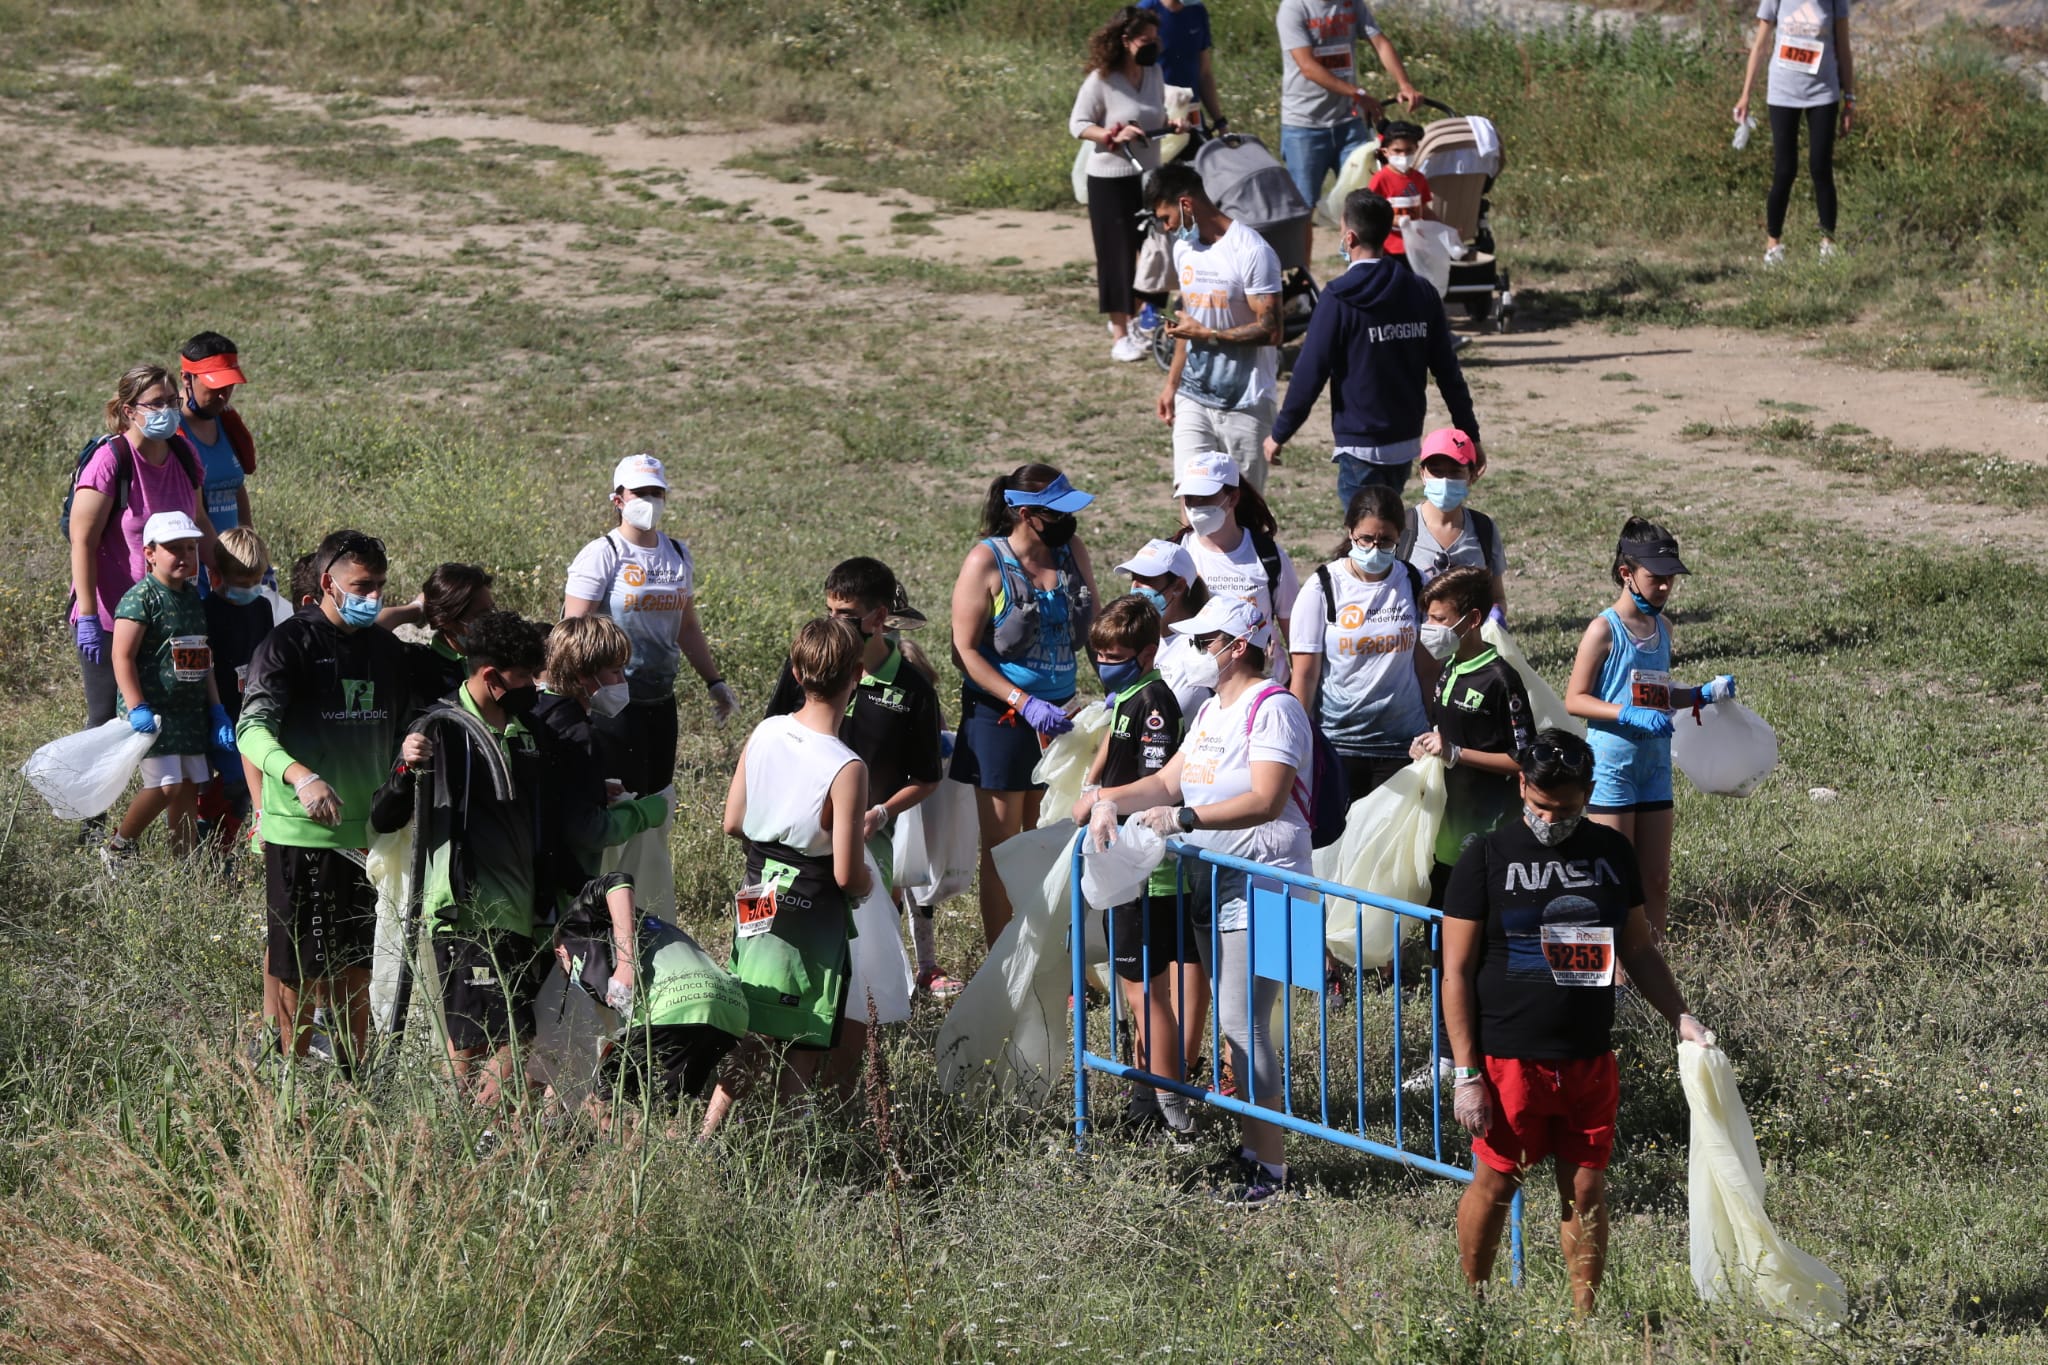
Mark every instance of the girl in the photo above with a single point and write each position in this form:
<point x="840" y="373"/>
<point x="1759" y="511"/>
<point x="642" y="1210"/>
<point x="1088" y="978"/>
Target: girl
<point x="1442" y="532"/>
<point x="1163" y="574"/>
<point x="1621" y="686"/>
<point x="1812" y="75"/>
<point x="1230" y="539"/>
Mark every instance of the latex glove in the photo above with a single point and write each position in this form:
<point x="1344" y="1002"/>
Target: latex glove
<point x="1498" y="616"/>
<point x="92" y="641"/>
<point x="619" y="995"/>
<point x="877" y="817"/>
<point x="1471" y="1105"/>
<point x="1101" y="826"/>
<point x="614" y="791"/>
<point x="1721" y="688"/>
<point x="1691" y="1030"/>
<point x="143" y="721"/>
<point x="946" y="744"/>
<point x="320" y="801"/>
<point x="1162" y="820"/>
<point x="724" y="703"/>
<point x="1044" y="717"/>
<point x="1085" y="802"/>
<point x="223" y="728"/>
<point x="1643" y="718"/>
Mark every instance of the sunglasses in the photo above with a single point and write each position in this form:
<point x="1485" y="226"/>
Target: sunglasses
<point x="1573" y="761"/>
<point x="1205" y="643"/>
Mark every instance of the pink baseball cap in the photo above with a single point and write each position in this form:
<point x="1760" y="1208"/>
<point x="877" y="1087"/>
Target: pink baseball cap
<point x="1452" y="442"/>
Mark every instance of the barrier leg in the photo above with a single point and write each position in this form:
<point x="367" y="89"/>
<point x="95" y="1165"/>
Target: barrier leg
<point x="1515" y="1241"/>
<point x="1077" y="951"/>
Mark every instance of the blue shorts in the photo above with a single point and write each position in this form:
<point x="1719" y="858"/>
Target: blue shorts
<point x="990" y="754"/>
<point x="1312" y="153"/>
<point x="1629" y="774"/>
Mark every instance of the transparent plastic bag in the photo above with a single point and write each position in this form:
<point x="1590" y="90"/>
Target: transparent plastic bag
<point x="82" y="775"/>
<point x="388" y="864"/>
<point x="1354" y="174"/>
<point x="876" y="963"/>
<point x="646" y="858"/>
<point x="1545" y="706"/>
<point x="1725" y="749"/>
<point x="1116" y="874"/>
<point x="952" y="835"/>
<point x="1081" y="172"/>
<point x="1064" y="764"/>
<point x="1431" y="249"/>
<point x="1388" y="848"/>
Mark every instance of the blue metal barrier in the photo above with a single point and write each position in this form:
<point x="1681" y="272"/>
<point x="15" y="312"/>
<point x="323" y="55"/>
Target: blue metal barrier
<point x="1288" y="913"/>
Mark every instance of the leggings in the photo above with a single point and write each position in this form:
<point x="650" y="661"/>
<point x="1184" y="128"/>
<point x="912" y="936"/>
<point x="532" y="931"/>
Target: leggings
<point x="1247" y="1017"/>
<point x="1820" y="163"/>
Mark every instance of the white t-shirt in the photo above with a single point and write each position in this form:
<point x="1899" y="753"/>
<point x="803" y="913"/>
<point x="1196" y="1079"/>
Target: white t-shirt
<point x="1216" y="759"/>
<point x="1217" y="281"/>
<point x="790" y="770"/>
<point x="1176" y="658"/>
<point x="646" y="589"/>
<point x="1240" y="574"/>
<point x="1371" y="702"/>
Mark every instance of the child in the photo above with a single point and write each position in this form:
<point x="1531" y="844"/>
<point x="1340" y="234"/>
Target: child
<point x="1145" y="730"/>
<point x="1442" y="532"/>
<point x="164" y="670"/>
<point x="237" y="620"/>
<point x="1399" y="183"/>
<point x="1621" y="686"/>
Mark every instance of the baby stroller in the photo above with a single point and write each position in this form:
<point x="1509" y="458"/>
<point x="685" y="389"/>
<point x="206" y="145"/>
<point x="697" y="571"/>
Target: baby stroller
<point x="1461" y="157"/>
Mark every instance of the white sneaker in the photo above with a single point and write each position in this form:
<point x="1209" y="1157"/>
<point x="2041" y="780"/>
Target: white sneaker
<point x="1775" y="256"/>
<point x="1127" y="347"/>
<point x="1827" y="249"/>
<point x="1418" y="1084"/>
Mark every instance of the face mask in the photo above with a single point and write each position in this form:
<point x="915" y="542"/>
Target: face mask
<point x="1205" y="671"/>
<point x="1207" y="520"/>
<point x="241" y="597"/>
<point x="1116" y="677"/>
<point x="1400" y="162"/>
<point x="158" y="424"/>
<point x="1643" y="604"/>
<point x="1373" y="559"/>
<point x="609" y="700"/>
<point x="1187" y="231"/>
<point x="520" y="701"/>
<point x="1549" y="833"/>
<point x="357" y="612"/>
<point x="1444" y="494"/>
<point x="1155" y="597"/>
<point x="1440" y="641"/>
<point x="643" y="514"/>
<point x="1058" y="530"/>
<point x="1146" y="55"/>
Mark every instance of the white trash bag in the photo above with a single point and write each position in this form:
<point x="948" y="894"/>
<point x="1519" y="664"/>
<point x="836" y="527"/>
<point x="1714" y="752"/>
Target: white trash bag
<point x="388" y="865"/>
<point x="952" y="838"/>
<point x="1735" y="1250"/>
<point x="876" y="962"/>
<point x="1431" y="248"/>
<point x="1545" y="706"/>
<point x="647" y="859"/>
<point x="1354" y="174"/>
<point x="1388" y="849"/>
<point x="1116" y="874"/>
<point x="1727" y="751"/>
<point x="1063" y="767"/>
<point x="82" y="775"/>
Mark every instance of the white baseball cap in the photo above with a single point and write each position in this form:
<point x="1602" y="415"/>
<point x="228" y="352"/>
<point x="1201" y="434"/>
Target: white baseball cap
<point x="1232" y="616"/>
<point x="1206" y="472"/>
<point x="1161" y="557"/>
<point x="639" y="471"/>
<point x="164" y="527"/>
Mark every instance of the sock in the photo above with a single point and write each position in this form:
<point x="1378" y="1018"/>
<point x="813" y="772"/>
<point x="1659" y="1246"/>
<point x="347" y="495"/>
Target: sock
<point x="922" y="937"/>
<point x="1174" y="1107"/>
<point x="1277" y="1172"/>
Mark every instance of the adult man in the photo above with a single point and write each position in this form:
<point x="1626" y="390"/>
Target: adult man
<point x="1537" y="914"/>
<point x="326" y="701"/>
<point x="1378" y="331"/>
<point x="1184" y="52"/>
<point x="1320" y="99"/>
<point x="212" y="372"/>
<point x="1224" y="380"/>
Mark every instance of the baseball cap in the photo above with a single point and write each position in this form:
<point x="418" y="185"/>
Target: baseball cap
<point x="164" y="527"/>
<point x="1057" y="496"/>
<point x="1451" y="442"/>
<point x="1205" y="472"/>
<point x="215" y="371"/>
<point x="1657" y="553"/>
<point x="1232" y="616"/>
<point x="639" y="471"/>
<point x="902" y="616"/>
<point x="1161" y="557"/>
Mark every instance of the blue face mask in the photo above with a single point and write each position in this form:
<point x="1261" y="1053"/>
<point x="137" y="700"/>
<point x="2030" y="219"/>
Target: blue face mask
<point x="1445" y="494"/>
<point x="159" y="424"/>
<point x="1117" y="677"/>
<point x="358" y="611"/>
<point x="1155" y="597"/>
<point x="1187" y="231"/>
<point x="1375" y="560"/>
<point x="1643" y="604"/>
<point x="241" y="597"/>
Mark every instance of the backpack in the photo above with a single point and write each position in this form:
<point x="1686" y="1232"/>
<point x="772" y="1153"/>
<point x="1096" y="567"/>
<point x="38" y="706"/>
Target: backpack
<point x="1267" y="549"/>
<point x="124" y="474"/>
<point x="1330" y="589"/>
<point x="1482" y="529"/>
<point x="1329" y="796"/>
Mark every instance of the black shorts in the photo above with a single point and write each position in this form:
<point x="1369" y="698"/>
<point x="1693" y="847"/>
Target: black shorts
<point x="323" y="913"/>
<point x="670" y="1061"/>
<point x="488" y="986"/>
<point x="1152" y="931"/>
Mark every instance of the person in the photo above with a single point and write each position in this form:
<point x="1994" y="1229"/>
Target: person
<point x="1356" y="668"/>
<point x="1238" y="786"/>
<point x="1621" y="687"/>
<point x="1444" y="531"/>
<point x="1163" y="573"/>
<point x="305" y="582"/>
<point x="452" y="597"/>
<point x="1812" y="75"/>
<point x="1222" y="384"/>
<point x="1184" y="49"/>
<point x="1537" y="916"/>
<point x="142" y="468"/>
<point x="325" y="708"/>
<point x="482" y="848"/>
<point x="1397" y="181"/>
<point x="797" y="803"/>
<point x="1150" y="945"/>
<point x="165" y="673"/>
<point x="1230" y="537"/>
<point x="212" y="371"/>
<point x="1120" y="104"/>
<point x="679" y="1013"/>
<point x="237" y="620"/>
<point x="1320" y="98"/>
<point x="1377" y="334"/>
<point x="1025" y="596"/>
<point x="646" y="581"/>
<point x="893" y="724"/>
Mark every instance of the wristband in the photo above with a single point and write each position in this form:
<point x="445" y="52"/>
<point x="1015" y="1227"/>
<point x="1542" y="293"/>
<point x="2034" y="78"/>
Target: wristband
<point x="1467" y="1073"/>
<point x="1015" y="698"/>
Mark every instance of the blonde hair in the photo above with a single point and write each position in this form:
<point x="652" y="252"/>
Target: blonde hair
<point x="826" y="656"/>
<point x="914" y="655"/>
<point x="132" y="386"/>
<point x="584" y="646"/>
<point x="242" y="550"/>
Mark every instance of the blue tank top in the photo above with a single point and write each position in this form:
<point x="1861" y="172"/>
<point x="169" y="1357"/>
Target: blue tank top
<point x="1634" y="674"/>
<point x="1046" y="670"/>
<point x="224" y="476"/>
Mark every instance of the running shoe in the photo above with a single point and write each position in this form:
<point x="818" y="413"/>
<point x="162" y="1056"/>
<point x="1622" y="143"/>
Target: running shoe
<point x="1128" y="348"/>
<point x="1418" y="1084"/>
<point x="1828" y="250"/>
<point x="1251" y="1186"/>
<point x="1775" y="256"/>
<point x="934" y="981"/>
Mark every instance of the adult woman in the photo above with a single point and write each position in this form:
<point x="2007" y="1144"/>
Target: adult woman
<point x="1123" y="97"/>
<point x="1024" y="599"/>
<point x="1230" y="539"/>
<point x="1812" y="74"/>
<point x="1237" y="786"/>
<point x="646" y="581"/>
<point x="1356" y="667"/>
<point x="144" y="468"/>
<point x="212" y="372"/>
<point x="1163" y="574"/>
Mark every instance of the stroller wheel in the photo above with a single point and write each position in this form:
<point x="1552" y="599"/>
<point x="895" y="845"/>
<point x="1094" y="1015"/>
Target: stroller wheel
<point x="1162" y="348"/>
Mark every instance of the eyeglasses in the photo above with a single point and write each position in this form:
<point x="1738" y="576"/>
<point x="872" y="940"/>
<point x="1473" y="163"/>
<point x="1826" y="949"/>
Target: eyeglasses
<point x="1572" y="761"/>
<point x="164" y="404"/>
<point x="1370" y="543"/>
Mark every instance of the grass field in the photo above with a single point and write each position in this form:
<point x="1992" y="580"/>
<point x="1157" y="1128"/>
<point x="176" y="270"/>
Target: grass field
<point x="1875" y="964"/>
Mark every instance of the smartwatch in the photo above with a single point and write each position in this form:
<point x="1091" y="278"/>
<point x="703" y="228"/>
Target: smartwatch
<point x="1187" y="819"/>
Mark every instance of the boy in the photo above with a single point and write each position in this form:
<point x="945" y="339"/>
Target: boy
<point x="164" y="670"/>
<point x="482" y="849"/>
<point x="238" y="618"/>
<point x="1399" y="183"/>
<point x="1145" y="730"/>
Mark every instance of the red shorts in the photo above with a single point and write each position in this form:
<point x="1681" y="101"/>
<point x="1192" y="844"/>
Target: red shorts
<point x="1543" y="1108"/>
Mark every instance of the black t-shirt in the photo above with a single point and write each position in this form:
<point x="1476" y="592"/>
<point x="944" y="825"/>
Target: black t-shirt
<point x="1479" y="704"/>
<point x="1145" y="731"/>
<point x="437" y="670"/>
<point x="892" y="723"/>
<point x="233" y="632"/>
<point x="1522" y="891"/>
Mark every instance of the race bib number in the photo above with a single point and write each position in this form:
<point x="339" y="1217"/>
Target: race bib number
<point x="191" y="658"/>
<point x="756" y="906"/>
<point x="1336" y="59"/>
<point x="1405" y="206"/>
<point x="1579" y="954"/>
<point x="1650" y="687"/>
<point x="1801" y="54"/>
<point x="241" y="679"/>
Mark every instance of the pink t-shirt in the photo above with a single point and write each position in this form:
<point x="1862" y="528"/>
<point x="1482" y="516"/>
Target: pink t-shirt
<point x="154" y="488"/>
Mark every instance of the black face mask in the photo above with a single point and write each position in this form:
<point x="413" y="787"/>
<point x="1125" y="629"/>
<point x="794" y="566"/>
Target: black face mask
<point x="1056" y="531"/>
<point x="1146" y="55"/>
<point x="520" y="701"/>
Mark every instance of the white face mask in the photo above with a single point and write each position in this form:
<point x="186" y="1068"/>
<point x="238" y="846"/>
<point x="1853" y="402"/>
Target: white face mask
<point x="1440" y="641"/>
<point x="1205" y="671"/>
<point x="1400" y="163"/>
<point x="1206" y="520"/>
<point x="609" y="700"/>
<point x="643" y="514"/>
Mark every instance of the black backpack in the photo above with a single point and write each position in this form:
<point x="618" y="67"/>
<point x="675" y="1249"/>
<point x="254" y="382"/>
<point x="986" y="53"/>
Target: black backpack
<point x="124" y="474"/>
<point x="1268" y="551"/>
<point x="1330" y="589"/>
<point x="1482" y="529"/>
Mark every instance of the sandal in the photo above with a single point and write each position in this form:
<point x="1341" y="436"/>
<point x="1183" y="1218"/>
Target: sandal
<point x="934" y="982"/>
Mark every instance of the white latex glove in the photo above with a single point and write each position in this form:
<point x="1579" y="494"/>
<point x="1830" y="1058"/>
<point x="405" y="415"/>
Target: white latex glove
<point x="725" y="704"/>
<point x="1472" y="1106"/>
<point x="877" y="817"/>
<point x="1101" y="825"/>
<point x="1161" y="820"/>
<point x="619" y="995"/>
<point x="320" y="801"/>
<point x="1691" y="1030"/>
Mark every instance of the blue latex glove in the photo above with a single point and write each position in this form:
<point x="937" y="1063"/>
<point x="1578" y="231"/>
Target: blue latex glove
<point x="223" y="728"/>
<point x="1643" y="718"/>
<point x="92" y="641"/>
<point x="945" y="744"/>
<point x="143" y="721"/>
<point x="1721" y="688"/>
<point x="1044" y="717"/>
<point x="1498" y="617"/>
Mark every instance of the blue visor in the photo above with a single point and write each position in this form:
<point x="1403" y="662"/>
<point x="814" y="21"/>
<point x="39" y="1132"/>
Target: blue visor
<point x="1057" y="496"/>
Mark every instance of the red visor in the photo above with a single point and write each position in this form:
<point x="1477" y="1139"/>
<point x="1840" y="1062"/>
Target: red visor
<point x="216" y="371"/>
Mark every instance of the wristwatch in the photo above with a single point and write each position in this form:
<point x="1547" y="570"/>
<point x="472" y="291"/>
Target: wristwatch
<point x="1186" y="819"/>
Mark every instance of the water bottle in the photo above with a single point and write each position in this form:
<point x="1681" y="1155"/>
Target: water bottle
<point x="1148" y="320"/>
<point x="1742" y="132"/>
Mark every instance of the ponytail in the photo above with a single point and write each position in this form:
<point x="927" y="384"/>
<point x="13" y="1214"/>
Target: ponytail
<point x="998" y="518"/>
<point x="1254" y="515"/>
<point x="132" y="386"/>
